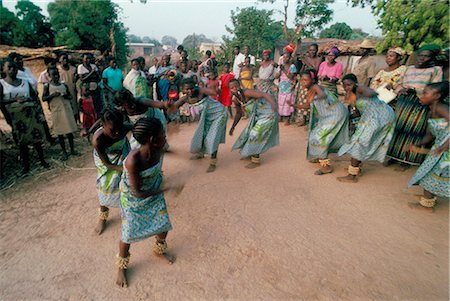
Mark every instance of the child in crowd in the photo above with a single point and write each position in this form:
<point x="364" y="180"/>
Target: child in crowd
<point x="434" y="173"/>
<point x="144" y="211"/>
<point x="110" y="150"/>
<point x="58" y="96"/>
<point x="225" y="96"/>
<point x="246" y="75"/>
<point x="86" y="105"/>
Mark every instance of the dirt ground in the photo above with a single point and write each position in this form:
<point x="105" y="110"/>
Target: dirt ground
<point x="273" y="233"/>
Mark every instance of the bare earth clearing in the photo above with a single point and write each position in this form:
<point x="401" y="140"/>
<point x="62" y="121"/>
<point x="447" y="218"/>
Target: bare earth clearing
<point x="273" y="233"/>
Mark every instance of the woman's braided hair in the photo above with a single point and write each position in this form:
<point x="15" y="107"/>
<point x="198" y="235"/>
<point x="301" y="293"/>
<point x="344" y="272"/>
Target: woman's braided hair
<point x="112" y="115"/>
<point x="146" y="128"/>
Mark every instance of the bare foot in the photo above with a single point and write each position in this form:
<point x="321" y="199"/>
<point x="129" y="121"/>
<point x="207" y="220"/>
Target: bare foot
<point x="122" y="278"/>
<point x="246" y="158"/>
<point x="252" y="165"/>
<point x="323" y="170"/>
<point x="348" y="179"/>
<point x="197" y="157"/>
<point x="100" y="226"/>
<point x="211" y="168"/>
<point x="168" y="256"/>
<point x="420" y="207"/>
<point x="314" y="161"/>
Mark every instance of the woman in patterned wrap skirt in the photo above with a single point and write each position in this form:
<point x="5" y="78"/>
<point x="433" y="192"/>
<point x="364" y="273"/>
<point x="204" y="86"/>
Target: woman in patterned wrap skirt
<point x="261" y="132"/>
<point x="374" y="129"/>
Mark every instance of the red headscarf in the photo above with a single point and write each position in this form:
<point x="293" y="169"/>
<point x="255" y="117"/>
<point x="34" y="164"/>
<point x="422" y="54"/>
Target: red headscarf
<point x="267" y="52"/>
<point x="290" y="48"/>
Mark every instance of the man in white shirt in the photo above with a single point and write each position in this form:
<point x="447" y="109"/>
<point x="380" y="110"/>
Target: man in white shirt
<point x="247" y="54"/>
<point x="239" y="59"/>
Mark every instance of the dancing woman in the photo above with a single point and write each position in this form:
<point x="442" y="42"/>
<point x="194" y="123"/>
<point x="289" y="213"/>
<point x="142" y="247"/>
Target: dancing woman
<point x="212" y="125"/>
<point x="328" y="127"/>
<point x="261" y="132"/>
<point x="374" y="129"/>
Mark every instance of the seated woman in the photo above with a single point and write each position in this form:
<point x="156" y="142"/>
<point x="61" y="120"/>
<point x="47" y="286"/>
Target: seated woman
<point x="374" y="129"/>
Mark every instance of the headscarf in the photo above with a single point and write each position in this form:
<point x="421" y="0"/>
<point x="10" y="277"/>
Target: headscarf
<point x="267" y="52"/>
<point x="334" y="50"/>
<point x="398" y="50"/>
<point x="433" y="48"/>
<point x="290" y="48"/>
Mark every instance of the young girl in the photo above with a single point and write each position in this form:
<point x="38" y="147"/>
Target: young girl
<point x="225" y="96"/>
<point x="144" y="211"/>
<point x="246" y="75"/>
<point x="58" y="96"/>
<point x="110" y="150"/>
<point x="261" y="132"/>
<point x="374" y="129"/>
<point x="328" y="123"/>
<point x="19" y="105"/>
<point x="433" y="174"/>
<point x="212" y="126"/>
<point x="86" y="105"/>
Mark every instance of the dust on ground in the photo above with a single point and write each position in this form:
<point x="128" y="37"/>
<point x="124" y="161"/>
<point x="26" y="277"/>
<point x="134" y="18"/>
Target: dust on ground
<point x="277" y="232"/>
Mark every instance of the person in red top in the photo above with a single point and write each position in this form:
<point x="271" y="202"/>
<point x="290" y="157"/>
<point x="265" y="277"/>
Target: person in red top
<point x="225" y="96"/>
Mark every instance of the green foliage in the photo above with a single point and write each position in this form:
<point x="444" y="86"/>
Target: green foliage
<point x="151" y="40"/>
<point x="28" y="28"/>
<point x="194" y="53"/>
<point x="312" y="15"/>
<point x="358" y="34"/>
<point x="8" y="26"/>
<point x="134" y="38"/>
<point x="35" y="31"/>
<point x="252" y="27"/>
<point x="411" y="23"/>
<point x="88" y="25"/>
<point x="170" y="41"/>
<point x="194" y="40"/>
<point x="337" y="31"/>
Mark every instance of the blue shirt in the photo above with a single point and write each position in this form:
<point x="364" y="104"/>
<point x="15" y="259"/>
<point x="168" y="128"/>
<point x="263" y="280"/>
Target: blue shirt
<point x="114" y="77"/>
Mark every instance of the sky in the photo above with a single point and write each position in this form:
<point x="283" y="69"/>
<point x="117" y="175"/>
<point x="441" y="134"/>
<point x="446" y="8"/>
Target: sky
<point x="158" y="18"/>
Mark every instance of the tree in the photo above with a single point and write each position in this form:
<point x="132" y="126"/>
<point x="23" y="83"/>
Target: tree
<point x="151" y="40"/>
<point x="9" y="26"/>
<point x="35" y="30"/>
<point x="169" y="41"/>
<point x="358" y="34"/>
<point x="410" y="23"/>
<point x="311" y="15"/>
<point x="194" y="40"/>
<point x="337" y="31"/>
<point x="89" y="25"/>
<point x="252" y="27"/>
<point x="134" y="38"/>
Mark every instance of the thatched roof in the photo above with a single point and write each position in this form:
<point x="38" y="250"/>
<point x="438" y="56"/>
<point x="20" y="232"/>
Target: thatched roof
<point x="39" y="53"/>
<point x="347" y="47"/>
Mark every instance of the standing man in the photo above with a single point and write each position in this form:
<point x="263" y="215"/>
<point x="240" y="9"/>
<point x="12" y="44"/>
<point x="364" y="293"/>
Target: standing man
<point x="112" y="81"/>
<point x="365" y="66"/>
<point x="247" y="54"/>
<point x="239" y="60"/>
